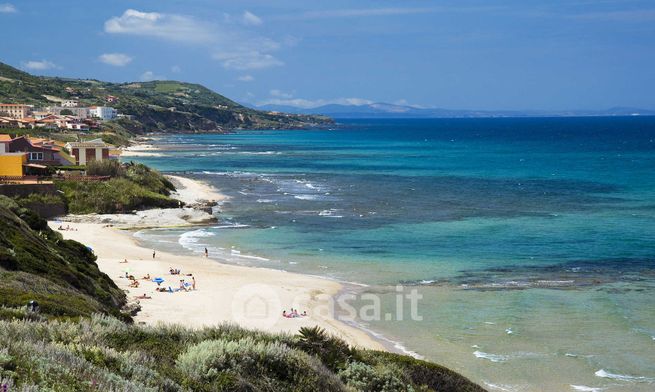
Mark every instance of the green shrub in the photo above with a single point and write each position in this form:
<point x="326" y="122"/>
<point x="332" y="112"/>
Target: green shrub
<point x="365" y="378"/>
<point x="260" y="365"/>
<point x="112" y="196"/>
<point x="107" y="167"/>
<point x="334" y="352"/>
<point x="131" y="187"/>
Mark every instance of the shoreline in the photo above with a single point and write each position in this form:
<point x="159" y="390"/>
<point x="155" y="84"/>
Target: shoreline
<point x="252" y="297"/>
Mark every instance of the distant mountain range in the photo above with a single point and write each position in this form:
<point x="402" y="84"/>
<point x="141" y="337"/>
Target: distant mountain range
<point x="387" y="110"/>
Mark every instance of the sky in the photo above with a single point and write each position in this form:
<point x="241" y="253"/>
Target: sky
<point x="487" y="55"/>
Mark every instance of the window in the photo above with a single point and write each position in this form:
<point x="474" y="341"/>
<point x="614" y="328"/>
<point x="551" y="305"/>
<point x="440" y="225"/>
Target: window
<point x="36" y="156"/>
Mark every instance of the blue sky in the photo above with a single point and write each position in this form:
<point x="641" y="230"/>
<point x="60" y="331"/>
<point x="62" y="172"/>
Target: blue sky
<point x="523" y="54"/>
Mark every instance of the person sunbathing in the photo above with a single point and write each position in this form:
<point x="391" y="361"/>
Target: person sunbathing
<point x="183" y="285"/>
<point x="124" y="261"/>
<point x="134" y="284"/>
<point x="144" y="296"/>
<point x="147" y="277"/>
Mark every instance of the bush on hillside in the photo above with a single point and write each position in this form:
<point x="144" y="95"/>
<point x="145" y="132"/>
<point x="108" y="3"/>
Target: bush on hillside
<point x="112" y="196"/>
<point x="363" y="377"/>
<point x="255" y="365"/>
<point x="107" y="167"/>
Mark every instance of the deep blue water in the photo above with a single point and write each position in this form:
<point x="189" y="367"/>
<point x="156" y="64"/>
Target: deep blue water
<point x="506" y="215"/>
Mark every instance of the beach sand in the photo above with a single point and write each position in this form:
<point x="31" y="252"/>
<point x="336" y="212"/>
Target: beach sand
<point x="250" y="297"/>
<point x="191" y="192"/>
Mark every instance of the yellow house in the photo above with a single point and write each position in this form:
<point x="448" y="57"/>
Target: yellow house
<point x="11" y="164"/>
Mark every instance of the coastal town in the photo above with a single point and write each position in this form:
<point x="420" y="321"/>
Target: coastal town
<point x="68" y="114"/>
<point x="24" y="157"/>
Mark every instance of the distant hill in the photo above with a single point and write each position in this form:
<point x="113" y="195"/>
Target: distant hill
<point x="164" y="106"/>
<point x="387" y="110"/>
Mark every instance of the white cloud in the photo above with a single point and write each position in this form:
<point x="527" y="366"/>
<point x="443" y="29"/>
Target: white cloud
<point x="115" y="59"/>
<point x="149" y="76"/>
<point x="310" y="104"/>
<point x="280" y="94"/>
<point x="228" y="42"/>
<point x="246" y="78"/>
<point x="7" y="8"/>
<point x="250" y="19"/>
<point x="41" y="65"/>
<point x="244" y="60"/>
<point x="170" y="27"/>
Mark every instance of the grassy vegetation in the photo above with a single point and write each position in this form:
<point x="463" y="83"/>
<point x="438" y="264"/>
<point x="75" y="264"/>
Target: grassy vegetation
<point x="103" y="353"/>
<point x="36" y="263"/>
<point x="154" y="106"/>
<point x="132" y="187"/>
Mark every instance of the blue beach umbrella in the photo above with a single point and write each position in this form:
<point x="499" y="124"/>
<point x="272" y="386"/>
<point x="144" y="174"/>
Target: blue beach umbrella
<point x="158" y="280"/>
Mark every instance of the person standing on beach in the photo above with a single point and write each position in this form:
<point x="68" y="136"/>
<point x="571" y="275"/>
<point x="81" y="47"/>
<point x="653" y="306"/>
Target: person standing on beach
<point x="193" y="282"/>
<point x="206" y="253"/>
<point x="153" y="253"/>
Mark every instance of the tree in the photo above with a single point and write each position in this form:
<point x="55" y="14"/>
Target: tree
<point x="66" y="112"/>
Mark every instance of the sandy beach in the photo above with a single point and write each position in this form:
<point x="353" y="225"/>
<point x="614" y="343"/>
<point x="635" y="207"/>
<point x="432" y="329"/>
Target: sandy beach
<point x="250" y="297"/>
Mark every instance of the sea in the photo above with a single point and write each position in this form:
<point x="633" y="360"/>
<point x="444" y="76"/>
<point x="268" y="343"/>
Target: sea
<point x="531" y="241"/>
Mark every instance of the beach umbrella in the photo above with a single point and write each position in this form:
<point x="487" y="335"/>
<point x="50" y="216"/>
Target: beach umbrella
<point x="158" y="281"/>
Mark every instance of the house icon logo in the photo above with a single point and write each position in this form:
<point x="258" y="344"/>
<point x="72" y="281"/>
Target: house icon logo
<point x="258" y="305"/>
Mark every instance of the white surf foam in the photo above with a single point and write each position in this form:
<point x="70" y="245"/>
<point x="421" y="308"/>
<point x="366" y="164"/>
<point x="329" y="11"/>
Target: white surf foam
<point x="500" y="387"/>
<point x="622" y="377"/>
<point x="307" y="197"/>
<point x="234" y="226"/>
<point x="584" y="388"/>
<point x="491" y="357"/>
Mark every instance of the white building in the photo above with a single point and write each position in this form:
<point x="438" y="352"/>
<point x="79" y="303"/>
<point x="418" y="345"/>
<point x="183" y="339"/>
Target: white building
<point x="92" y="150"/>
<point x="103" y="112"/>
<point x="70" y="103"/>
<point x="80" y="113"/>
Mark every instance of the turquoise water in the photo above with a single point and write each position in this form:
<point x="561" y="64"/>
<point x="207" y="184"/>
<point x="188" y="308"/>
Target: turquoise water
<point x="532" y="241"/>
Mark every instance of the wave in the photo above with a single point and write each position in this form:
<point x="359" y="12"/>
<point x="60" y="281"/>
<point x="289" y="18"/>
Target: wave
<point x="251" y="257"/>
<point x="491" y="357"/>
<point x="500" y="387"/>
<point x="398" y="346"/>
<point x="584" y="388"/>
<point x="307" y="197"/>
<point x="190" y="240"/>
<point x="265" y="201"/>
<point x="232" y="226"/>
<point x="622" y="377"/>
<point x="505" y="358"/>
<point x="330" y="213"/>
